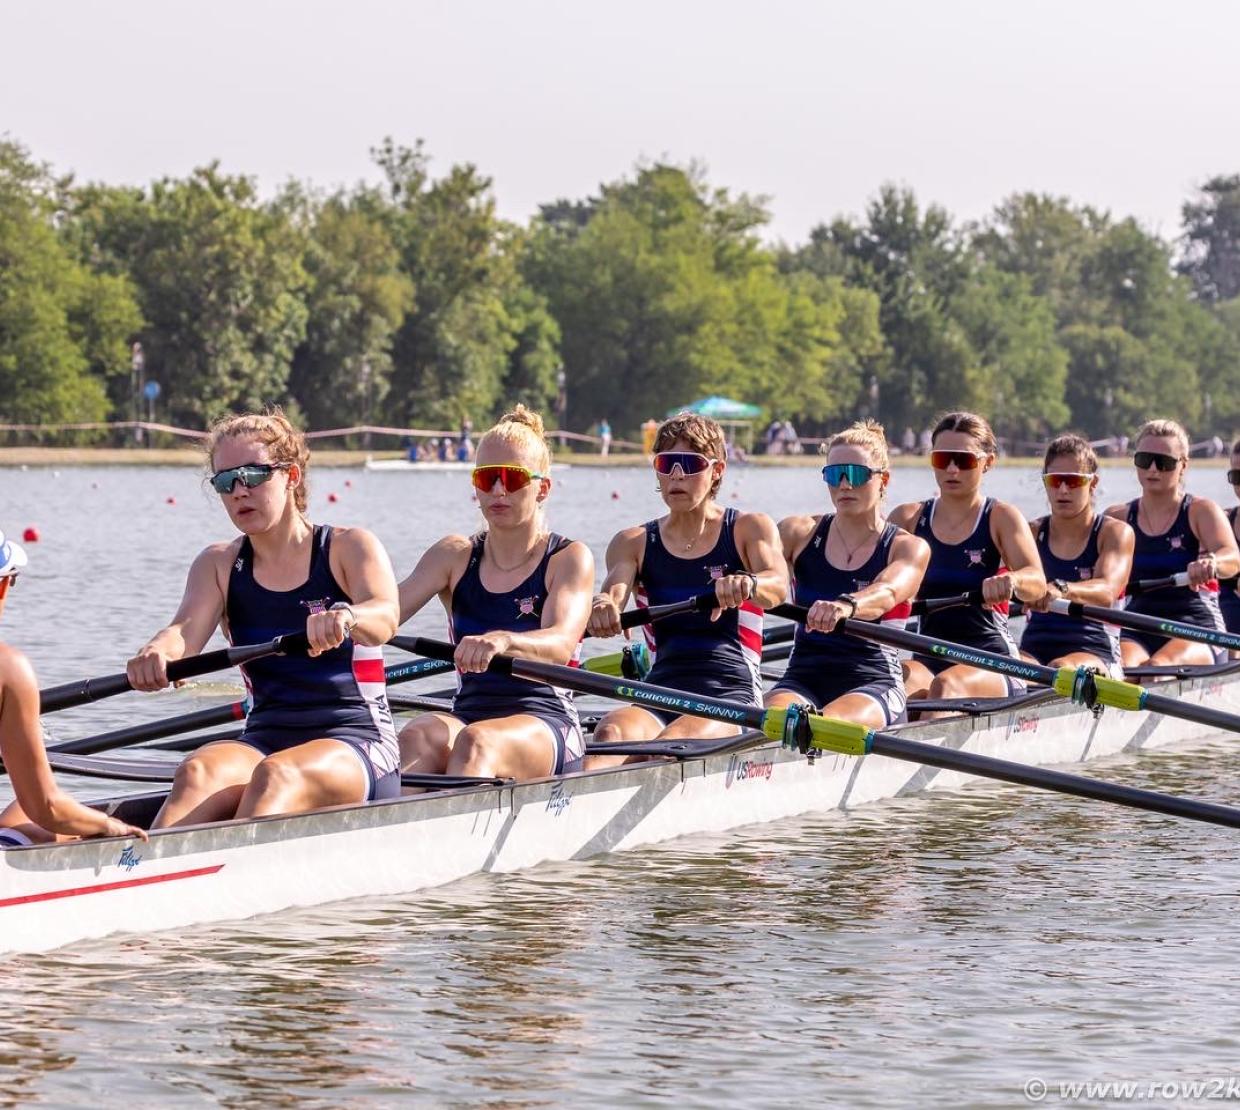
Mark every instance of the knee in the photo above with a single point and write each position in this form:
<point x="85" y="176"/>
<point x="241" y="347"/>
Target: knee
<point x="607" y="732"/>
<point x="194" y="775"/>
<point x="474" y="744"/>
<point x="420" y="742"/>
<point x="275" y="777"/>
<point x="945" y="686"/>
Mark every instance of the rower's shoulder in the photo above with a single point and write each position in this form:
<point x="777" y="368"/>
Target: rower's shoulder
<point x="754" y="525"/>
<point x="798" y="527"/>
<point x="15" y="669"/>
<point x="218" y="556"/>
<point x="1118" y="511"/>
<point x="905" y="516"/>
<point x="1004" y="514"/>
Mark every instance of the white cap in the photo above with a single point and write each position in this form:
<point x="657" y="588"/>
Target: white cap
<point x="12" y="556"/>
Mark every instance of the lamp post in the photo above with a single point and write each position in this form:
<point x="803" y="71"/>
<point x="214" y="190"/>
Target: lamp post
<point x="561" y="400"/>
<point x="137" y="381"/>
<point x="366" y="379"/>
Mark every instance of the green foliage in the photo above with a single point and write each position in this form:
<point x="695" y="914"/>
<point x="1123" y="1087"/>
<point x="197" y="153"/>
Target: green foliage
<point x="1212" y="240"/>
<point x="221" y="284"/>
<point x="63" y="329"/>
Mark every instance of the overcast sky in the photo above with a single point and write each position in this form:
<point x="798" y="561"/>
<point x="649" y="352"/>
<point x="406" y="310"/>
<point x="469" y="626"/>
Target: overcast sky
<point x="1123" y="104"/>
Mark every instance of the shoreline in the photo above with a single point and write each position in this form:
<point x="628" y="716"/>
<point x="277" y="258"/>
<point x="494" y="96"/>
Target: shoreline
<point x="27" y="457"/>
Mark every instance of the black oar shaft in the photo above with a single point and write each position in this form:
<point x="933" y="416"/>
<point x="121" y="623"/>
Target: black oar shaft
<point x="952" y="759"/>
<point x="940" y="649"/>
<point x="153" y="730"/>
<point x="587" y="682"/>
<point x="1142" y="622"/>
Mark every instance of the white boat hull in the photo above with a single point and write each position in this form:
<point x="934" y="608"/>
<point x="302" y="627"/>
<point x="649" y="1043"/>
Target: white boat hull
<point x="56" y="895"/>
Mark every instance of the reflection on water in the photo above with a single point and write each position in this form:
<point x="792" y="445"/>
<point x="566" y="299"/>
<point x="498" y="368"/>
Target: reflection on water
<point x="935" y="950"/>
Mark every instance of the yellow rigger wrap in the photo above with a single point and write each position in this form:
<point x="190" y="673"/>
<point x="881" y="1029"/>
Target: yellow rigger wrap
<point x="1119" y="694"/>
<point x="844" y="737"/>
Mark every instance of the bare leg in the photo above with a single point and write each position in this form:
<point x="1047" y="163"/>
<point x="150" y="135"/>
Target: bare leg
<point x="208" y="785"/>
<point x="960" y="681"/>
<point x="632" y="723"/>
<point x="426" y="742"/>
<point x="516" y="747"/>
<point x="1182" y="653"/>
<point x="918" y="678"/>
<point x="859" y="708"/>
<point x="312" y="775"/>
<point x="1132" y="654"/>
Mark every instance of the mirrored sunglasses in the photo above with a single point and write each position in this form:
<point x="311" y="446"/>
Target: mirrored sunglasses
<point x="857" y="474"/>
<point x="511" y="477"/>
<point x="690" y="462"/>
<point x="249" y="475"/>
<point x="1142" y="460"/>
<point x="964" y="460"/>
<point x="1066" y="480"/>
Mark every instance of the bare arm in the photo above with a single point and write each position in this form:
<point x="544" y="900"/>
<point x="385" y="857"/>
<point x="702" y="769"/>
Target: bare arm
<point x="899" y="582"/>
<point x="200" y="611"/>
<point x="570" y="578"/>
<point x="761" y="551"/>
<point x="905" y="516"/>
<point x="433" y="576"/>
<point x="362" y="567"/>
<point x="1113" y="569"/>
<point x="1024" y="579"/>
<point x="624" y="555"/>
<point x="25" y="760"/>
<point x="1219" y="557"/>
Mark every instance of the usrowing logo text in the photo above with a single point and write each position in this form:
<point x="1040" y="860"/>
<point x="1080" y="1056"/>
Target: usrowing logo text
<point x="742" y="770"/>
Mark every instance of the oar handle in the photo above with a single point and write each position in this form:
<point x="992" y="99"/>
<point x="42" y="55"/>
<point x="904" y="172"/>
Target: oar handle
<point x="702" y="603"/>
<point x="1146" y="585"/>
<point x="923" y="605"/>
<point x="93" y="689"/>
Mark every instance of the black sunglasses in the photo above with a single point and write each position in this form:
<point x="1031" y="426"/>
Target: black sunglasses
<point x="1233" y="477"/>
<point x="249" y="475"/>
<point x="1166" y="463"/>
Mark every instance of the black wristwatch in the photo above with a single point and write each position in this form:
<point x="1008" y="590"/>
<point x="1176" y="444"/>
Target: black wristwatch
<point x="1061" y="586"/>
<point x="848" y="599"/>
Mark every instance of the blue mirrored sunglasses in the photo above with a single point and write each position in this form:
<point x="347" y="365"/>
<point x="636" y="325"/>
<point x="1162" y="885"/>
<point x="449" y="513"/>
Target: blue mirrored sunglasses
<point x="834" y="473"/>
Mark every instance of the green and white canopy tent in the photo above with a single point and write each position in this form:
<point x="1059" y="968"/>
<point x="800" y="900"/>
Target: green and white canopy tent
<point x="735" y="415"/>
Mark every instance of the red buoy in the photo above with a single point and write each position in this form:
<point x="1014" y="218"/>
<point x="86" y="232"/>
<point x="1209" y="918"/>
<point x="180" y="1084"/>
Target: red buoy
<point x="170" y="501"/>
<point x="30" y="535"/>
<point x="615" y="495"/>
<point x="332" y="498"/>
<point x="348" y="483"/>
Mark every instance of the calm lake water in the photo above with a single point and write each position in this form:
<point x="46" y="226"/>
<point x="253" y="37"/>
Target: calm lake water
<point x="943" y="950"/>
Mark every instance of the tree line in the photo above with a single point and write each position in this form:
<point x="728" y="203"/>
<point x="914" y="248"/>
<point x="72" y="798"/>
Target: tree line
<point x="410" y="303"/>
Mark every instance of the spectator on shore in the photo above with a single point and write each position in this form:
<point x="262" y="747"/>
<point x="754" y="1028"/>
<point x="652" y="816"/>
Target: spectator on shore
<point x="790" y="442"/>
<point x="909" y="442"/>
<point x="446" y="449"/>
<point x="604" y="437"/>
<point x="923" y="441"/>
<point x="650" y="430"/>
<point x="771" y="437"/>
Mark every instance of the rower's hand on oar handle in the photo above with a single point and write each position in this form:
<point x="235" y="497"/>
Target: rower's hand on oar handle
<point x="732" y="591"/>
<point x="823" y="616"/>
<point x="604" y="617"/>
<point x="148" y="670"/>
<point x="329" y="629"/>
<point x="1202" y="571"/>
<point x="997" y="591"/>
<point x="474" y="653"/>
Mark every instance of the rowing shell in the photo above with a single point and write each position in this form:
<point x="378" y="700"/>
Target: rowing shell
<point x="55" y="895"/>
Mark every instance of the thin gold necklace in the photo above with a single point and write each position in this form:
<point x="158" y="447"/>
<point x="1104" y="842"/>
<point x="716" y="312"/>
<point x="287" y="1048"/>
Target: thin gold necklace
<point x="517" y="565"/>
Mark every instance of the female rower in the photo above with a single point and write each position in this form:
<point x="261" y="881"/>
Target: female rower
<point x="319" y="732"/>
<point x="850" y="564"/>
<point x="514" y="589"/>
<point x="1228" y="597"/>
<point x="42" y="811"/>
<point x="1175" y="533"/>
<point x="976" y="543"/>
<point x="1094" y="570"/>
<point x="697" y="546"/>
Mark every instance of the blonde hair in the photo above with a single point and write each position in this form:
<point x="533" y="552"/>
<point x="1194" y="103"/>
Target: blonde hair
<point x="284" y="443"/>
<point x="866" y="434"/>
<point x="702" y="433"/>
<point x="970" y="424"/>
<point x="522" y="428"/>
<point x="1166" y="429"/>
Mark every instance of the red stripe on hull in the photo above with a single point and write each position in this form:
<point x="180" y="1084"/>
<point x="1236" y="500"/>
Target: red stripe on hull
<point x="99" y="888"/>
